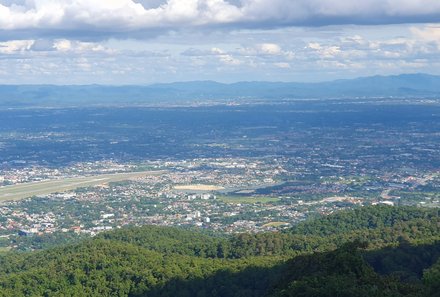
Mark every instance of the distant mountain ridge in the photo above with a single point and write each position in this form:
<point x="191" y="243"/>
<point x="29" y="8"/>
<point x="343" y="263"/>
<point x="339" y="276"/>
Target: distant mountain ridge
<point x="405" y="85"/>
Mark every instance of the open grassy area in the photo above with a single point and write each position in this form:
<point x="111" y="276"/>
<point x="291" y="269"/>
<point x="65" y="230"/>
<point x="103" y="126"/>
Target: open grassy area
<point x="21" y="191"/>
<point x="275" y="224"/>
<point x="243" y="199"/>
<point x="198" y="187"/>
<point x="4" y="250"/>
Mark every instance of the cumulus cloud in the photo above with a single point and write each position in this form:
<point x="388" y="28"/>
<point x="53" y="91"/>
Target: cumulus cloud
<point x="428" y="33"/>
<point x="270" y="48"/>
<point x="290" y="54"/>
<point x="65" y="45"/>
<point x="326" y="52"/>
<point x="138" y="17"/>
<point x="267" y="51"/>
<point x="29" y="46"/>
<point x="221" y="55"/>
<point x="14" y="46"/>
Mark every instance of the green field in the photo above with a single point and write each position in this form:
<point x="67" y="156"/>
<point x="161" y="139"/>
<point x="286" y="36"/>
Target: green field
<point x="25" y="190"/>
<point x="243" y="199"/>
<point x="275" y="224"/>
<point x="4" y="250"/>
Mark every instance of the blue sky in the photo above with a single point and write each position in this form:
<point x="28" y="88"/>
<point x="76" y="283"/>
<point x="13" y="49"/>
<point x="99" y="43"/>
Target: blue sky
<point x="148" y="41"/>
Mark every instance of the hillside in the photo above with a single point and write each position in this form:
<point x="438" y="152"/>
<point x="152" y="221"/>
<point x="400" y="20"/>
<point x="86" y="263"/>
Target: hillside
<point x="380" y="251"/>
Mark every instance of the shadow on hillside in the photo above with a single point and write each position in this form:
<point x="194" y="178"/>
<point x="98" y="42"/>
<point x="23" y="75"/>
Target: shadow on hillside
<point x="250" y="282"/>
<point x="406" y="261"/>
<point x="348" y="263"/>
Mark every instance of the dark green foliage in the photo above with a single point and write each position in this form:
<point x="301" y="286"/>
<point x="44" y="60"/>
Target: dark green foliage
<point x="382" y="252"/>
<point x="109" y="268"/>
<point x="380" y="226"/>
<point x="343" y="272"/>
<point x="431" y="279"/>
<point x="45" y="241"/>
<point x="365" y="218"/>
<point x="169" y="240"/>
<point x="405" y="262"/>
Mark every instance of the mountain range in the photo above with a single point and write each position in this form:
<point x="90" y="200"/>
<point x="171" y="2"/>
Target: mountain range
<point x="402" y="86"/>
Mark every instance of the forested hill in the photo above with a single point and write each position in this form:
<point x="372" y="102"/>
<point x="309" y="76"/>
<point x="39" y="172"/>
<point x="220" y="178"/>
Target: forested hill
<point x="371" y="251"/>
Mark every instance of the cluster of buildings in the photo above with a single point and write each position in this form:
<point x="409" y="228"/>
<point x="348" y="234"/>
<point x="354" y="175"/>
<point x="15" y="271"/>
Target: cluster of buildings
<point x="216" y="194"/>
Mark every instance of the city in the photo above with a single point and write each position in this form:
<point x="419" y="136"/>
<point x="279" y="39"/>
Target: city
<point x="230" y="195"/>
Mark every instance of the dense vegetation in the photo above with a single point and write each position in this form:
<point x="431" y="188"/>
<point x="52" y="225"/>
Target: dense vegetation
<point x="371" y="251"/>
<point x="380" y="226"/>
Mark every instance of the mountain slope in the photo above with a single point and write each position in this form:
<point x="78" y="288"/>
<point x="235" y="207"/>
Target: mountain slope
<point x="163" y="261"/>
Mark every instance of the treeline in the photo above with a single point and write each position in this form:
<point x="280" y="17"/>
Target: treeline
<point x="101" y="267"/>
<point x="44" y="241"/>
<point x="380" y="226"/>
<point x="170" y="240"/>
<point x="371" y="251"/>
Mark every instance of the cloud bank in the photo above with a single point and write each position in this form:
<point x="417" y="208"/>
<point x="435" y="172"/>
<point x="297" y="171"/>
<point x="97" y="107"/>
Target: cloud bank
<point x="245" y="55"/>
<point x="84" y="18"/>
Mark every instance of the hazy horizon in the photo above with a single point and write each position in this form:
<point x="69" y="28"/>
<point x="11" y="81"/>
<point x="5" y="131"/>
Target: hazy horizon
<point x="223" y="82"/>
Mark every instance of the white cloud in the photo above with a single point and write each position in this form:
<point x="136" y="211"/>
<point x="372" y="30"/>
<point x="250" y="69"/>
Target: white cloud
<point x="101" y="19"/>
<point x="428" y="33"/>
<point x="224" y="57"/>
<point x="217" y="51"/>
<point x="270" y="49"/>
<point x="285" y="54"/>
<point x="325" y="52"/>
<point x="220" y="55"/>
<point x="229" y="60"/>
<point x="60" y="45"/>
<point x="267" y="51"/>
<point x="113" y="15"/>
<point x="282" y="65"/>
<point x="14" y="46"/>
<point x="314" y="45"/>
<point x="63" y="45"/>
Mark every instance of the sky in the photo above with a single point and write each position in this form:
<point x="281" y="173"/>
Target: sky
<point x="124" y="42"/>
